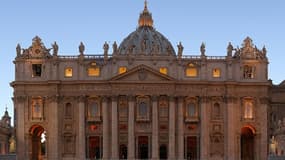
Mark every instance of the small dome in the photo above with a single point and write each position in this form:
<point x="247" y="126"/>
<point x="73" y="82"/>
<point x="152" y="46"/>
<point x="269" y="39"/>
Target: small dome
<point x="146" y="40"/>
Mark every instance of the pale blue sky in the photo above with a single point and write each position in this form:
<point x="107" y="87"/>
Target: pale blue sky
<point x="92" y="21"/>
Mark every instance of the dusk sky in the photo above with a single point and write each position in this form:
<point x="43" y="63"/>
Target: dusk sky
<point x="68" y="22"/>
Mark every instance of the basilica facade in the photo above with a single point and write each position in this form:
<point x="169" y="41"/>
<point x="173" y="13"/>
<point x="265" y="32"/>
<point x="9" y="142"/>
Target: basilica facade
<point x="141" y="99"/>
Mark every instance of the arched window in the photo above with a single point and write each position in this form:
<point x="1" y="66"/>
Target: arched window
<point x="142" y="108"/>
<point x="248" y="110"/>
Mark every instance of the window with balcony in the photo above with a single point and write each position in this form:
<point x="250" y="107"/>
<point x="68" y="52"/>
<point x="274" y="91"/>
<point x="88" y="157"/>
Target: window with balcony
<point x="191" y="110"/>
<point x="143" y="109"/>
<point x="94" y="111"/>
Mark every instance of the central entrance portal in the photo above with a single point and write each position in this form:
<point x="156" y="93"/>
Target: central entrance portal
<point x="247" y="144"/>
<point x="94" y="147"/>
<point x="143" y="147"/>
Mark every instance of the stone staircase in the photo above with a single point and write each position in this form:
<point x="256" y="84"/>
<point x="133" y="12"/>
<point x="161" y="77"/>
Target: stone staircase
<point x="276" y="157"/>
<point x="8" y="157"/>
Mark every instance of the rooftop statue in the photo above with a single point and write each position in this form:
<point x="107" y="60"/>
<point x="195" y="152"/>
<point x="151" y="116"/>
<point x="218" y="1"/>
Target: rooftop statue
<point x="180" y="49"/>
<point x="55" y="49"/>
<point x="230" y="49"/>
<point x="202" y="49"/>
<point x="81" y="48"/>
<point x="106" y="48"/>
<point x="115" y="48"/>
<point x="18" y="50"/>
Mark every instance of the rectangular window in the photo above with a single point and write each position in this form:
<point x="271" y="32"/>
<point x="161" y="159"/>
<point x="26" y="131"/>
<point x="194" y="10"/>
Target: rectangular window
<point x="93" y="71"/>
<point x="191" y="72"/>
<point x="37" y="108"/>
<point x="37" y="70"/>
<point x="248" y="72"/>
<point x="216" y="73"/>
<point x="68" y="72"/>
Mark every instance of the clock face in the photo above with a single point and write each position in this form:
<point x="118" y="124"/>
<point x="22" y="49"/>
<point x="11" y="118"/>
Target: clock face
<point x="37" y="51"/>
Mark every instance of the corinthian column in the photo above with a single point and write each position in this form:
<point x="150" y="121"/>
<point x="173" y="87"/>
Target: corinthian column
<point x="205" y="135"/>
<point x="131" y="136"/>
<point x="53" y="126"/>
<point x="105" y="128"/>
<point x="19" y="103"/>
<point x="180" y="131"/>
<point x="231" y="127"/>
<point x="171" y="121"/>
<point x="154" y="128"/>
<point x="263" y="128"/>
<point x="115" y="144"/>
<point x="81" y="128"/>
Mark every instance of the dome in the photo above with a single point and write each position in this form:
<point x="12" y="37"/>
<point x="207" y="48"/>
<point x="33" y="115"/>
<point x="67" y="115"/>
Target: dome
<point x="146" y="40"/>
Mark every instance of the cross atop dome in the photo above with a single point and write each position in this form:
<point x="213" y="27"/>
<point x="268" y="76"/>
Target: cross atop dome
<point x="145" y="19"/>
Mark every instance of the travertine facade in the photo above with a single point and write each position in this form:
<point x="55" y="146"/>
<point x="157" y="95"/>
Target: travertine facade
<point x="141" y="100"/>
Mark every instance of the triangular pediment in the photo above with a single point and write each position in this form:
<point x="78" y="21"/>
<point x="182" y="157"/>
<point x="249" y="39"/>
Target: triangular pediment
<point x="142" y="73"/>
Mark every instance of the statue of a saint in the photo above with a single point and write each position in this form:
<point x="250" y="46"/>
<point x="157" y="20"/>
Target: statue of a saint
<point x="264" y="51"/>
<point x="230" y="49"/>
<point x="81" y="48"/>
<point x="106" y="48"/>
<point x="180" y="49"/>
<point x="115" y="48"/>
<point x="202" y="49"/>
<point x="18" y="50"/>
<point x="55" y="48"/>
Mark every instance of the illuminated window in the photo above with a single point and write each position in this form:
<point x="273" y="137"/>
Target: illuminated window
<point x="37" y="70"/>
<point x="216" y="73"/>
<point x="191" y="70"/>
<point x="248" y="109"/>
<point x="68" y="72"/>
<point x="122" y="70"/>
<point x="93" y="70"/>
<point x="163" y="70"/>
<point x="37" y="108"/>
<point x="248" y="72"/>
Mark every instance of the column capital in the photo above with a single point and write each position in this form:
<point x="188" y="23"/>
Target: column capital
<point x="154" y="97"/>
<point x="53" y="98"/>
<point x="205" y="99"/>
<point x="20" y="99"/>
<point x="114" y="98"/>
<point x="171" y="98"/>
<point x="131" y="98"/>
<point x="180" y="99"/>
<point x="105" y="98"/>
<point x="231" y="99"/>
<point x="81" y="98"/>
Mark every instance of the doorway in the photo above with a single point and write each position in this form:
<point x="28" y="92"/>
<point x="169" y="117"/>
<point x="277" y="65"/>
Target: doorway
<point x="247" y="143"/>
<point x="94" y="147"/>
<point x="191" y="148"/>
<point x="143" y="147"/>
<point x="123" y="151"/>
<point x="163" y="152"/>
<point x="38" y="142"/>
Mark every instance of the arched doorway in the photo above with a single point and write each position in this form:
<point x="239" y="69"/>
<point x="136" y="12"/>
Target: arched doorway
<point x="163" y="152"/>
<point x="247" y="143"/>
<point x="38" y="142"/>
